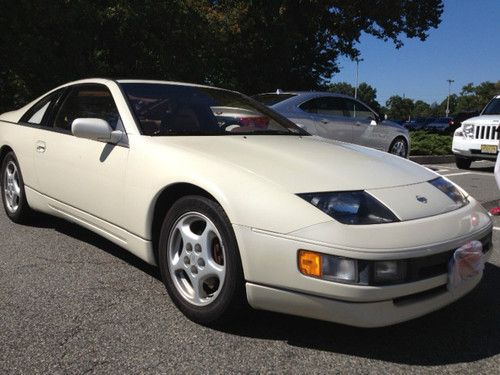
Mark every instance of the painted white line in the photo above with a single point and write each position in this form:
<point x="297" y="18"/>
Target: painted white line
<point x="496" y="228"/>
<point x="471" y="172"/>
<point x="457" y="174"/>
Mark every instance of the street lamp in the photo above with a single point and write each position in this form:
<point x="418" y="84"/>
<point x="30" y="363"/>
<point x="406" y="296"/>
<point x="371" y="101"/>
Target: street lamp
<point x="448" y="100"/>
<point x="357" y="76"/>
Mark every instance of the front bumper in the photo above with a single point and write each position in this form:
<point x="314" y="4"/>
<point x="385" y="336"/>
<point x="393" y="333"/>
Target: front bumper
<point x="471" y="148"/>
<point x="274" y="282"/>
<point x="368" y="314"/>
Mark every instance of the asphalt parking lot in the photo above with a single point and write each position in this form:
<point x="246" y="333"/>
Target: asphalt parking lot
<point x="72" y="302"/>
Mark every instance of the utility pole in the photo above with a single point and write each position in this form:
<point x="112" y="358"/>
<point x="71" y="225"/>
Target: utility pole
<point x="450" y="81"/>
<point x="357" y="76"/>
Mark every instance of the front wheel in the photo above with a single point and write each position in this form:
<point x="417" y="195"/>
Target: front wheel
<point x="462" y="163"/>
<point x="199" y="260"/>
<point x="399" y="147"/>
<point x="13" y="193"/>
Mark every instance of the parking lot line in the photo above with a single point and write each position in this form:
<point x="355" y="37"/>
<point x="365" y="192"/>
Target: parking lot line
<point x="458" y="174"/>
<point x="496" y="228"/>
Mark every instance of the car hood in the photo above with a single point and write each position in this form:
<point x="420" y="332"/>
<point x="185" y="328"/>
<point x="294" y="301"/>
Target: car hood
<point x="305" y="164"/>
<point x="483" y="120"/>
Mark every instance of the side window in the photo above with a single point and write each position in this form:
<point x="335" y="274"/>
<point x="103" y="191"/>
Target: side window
<point x="87" y="101"/>
<point x="328" y="106"/>
<point x="357" y="110"/>
<point x="36" y="114"/>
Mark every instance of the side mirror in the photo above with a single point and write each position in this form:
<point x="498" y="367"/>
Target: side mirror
<point x="95" y="129"/>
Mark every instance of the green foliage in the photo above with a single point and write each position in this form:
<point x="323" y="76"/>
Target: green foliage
<point x="471" y="98"/>
<point x="399" y="108"/>
<point x="423" y="143"/>
<point x="252" y="46"/>
<point x="474" y="98"/>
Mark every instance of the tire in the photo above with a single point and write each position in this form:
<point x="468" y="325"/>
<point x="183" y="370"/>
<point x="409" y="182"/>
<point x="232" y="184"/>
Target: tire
<point x="399" y="147"/>
<point x="199" y="261"/>
<point x="462" y="163"/>
<point x="13" y="193"/>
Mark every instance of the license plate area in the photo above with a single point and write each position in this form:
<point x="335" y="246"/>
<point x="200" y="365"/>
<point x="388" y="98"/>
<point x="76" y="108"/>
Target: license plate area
<point x="489" y="149"/>
<point x="466" y="262"/>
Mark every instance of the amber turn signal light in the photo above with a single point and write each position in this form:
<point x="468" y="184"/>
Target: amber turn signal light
<point x="309" y="263"/>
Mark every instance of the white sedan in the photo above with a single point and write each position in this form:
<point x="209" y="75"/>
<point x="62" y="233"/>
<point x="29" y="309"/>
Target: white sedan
<point x="258" y="211"/>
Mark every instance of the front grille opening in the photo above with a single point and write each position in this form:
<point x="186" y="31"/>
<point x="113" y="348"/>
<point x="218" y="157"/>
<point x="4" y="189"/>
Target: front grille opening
<point x="426" y="267"/>
<point x="486" y="132"/>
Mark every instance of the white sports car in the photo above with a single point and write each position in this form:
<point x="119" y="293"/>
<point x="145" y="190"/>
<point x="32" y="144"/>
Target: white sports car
<point x="252" y="210"/>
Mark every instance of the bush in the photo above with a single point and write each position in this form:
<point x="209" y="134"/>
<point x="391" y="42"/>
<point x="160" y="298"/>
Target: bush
<point x="423" y="143"/>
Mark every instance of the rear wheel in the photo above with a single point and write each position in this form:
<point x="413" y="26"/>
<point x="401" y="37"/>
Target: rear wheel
<point x="399" y="147"/>
<point x="199" y="260"/>
<point x="13" y="194"/>
<point x="462" y="163"/>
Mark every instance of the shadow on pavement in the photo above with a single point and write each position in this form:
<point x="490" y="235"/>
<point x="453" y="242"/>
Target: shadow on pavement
<point x="481" y="169"/>
<point x="466" y="331"/>
<point x="73" y="230"/>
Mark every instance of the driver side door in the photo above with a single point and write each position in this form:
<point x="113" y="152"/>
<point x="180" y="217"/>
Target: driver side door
<point x="363" y="131"/>
<point x="328" y="114"/>
<point x="82" y="178"/>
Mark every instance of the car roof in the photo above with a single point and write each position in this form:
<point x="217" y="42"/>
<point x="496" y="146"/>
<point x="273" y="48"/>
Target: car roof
<point x="306" y="93"/>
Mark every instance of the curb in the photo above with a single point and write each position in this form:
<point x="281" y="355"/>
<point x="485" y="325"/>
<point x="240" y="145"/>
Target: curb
<point x="432" y="159"/>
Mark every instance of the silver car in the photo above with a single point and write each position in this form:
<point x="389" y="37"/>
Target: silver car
<point x="339" y="117"/>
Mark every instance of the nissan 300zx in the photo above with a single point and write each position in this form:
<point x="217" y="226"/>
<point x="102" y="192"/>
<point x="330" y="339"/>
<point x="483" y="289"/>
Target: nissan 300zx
<point x="235" y="204"/>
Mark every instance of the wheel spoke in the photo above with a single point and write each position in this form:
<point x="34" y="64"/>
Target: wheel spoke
<point x="17" y="189"/>
<point x="206" y="238"/>
<point x="187" y="234"/>
<point x="10" y="173"/>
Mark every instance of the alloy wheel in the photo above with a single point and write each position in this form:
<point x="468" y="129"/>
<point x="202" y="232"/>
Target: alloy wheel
<point x="196" y="258"/>
<point x="11" y="187"/>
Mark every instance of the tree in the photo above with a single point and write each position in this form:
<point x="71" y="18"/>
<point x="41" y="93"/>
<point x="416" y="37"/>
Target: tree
<point x="474" y="98"/>
<point x="421" y="109"/>
<point x="252" y="46"/>
<point x="341" y="88"/>
<point x="399" y="108"/>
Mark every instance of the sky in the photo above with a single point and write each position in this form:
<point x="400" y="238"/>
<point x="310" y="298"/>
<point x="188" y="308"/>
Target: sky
<point x="465" y="47"/>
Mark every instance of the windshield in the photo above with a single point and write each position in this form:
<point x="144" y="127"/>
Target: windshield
<point x="492" y="108"/>
<point x="169" y="109"/>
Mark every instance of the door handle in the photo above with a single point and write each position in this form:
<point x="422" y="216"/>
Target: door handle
<point x="40" y="147"/>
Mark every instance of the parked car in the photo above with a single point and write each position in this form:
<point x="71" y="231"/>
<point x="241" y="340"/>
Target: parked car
<point x="418" y="123"/>
<point x="339" y="117"/>
<point x="271" y="215"/>
<point x="478" y="137"/>
<point x="441" y="125"/>
<point x="462" y="116"/>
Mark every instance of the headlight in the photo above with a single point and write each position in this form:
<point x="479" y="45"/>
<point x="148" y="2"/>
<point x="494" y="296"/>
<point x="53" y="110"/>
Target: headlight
<point x="351" y="207"/>
<point x="458" y="133"/>
<point x="468" y="130"/>
<point x="451" y="191"/>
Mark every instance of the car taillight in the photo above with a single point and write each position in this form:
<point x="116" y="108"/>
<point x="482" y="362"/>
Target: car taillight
<point x="450" y="122"/>
<point x="258" y="122"/>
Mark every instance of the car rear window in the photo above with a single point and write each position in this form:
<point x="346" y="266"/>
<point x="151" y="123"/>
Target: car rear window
<point x="272" y="99"/>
